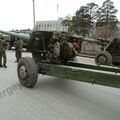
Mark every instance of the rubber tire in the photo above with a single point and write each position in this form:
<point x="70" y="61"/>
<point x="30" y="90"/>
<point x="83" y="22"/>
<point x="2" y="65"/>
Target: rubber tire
<point x="106" y="55"/>
<point x="31" y="70"/>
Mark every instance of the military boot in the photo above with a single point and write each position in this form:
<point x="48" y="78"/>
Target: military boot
<point x="5" y="66"/>
<point x="1" y="65"/>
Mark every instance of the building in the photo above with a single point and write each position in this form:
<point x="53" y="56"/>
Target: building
<point x="53" y="25"/>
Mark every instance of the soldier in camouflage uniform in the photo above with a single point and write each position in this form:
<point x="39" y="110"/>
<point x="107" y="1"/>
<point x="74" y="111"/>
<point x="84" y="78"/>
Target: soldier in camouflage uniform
<point x="3" y="52"/>
<point x="18" y="48"/>
<point x="61" y="50"/>
<point x="67" y="52"/>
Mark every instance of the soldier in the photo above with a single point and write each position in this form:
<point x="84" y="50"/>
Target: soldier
<point x="67" y="51"/>
<point x="18" y="48"/>
<point x="75" y="45"/>
<point x="3" y="52"/>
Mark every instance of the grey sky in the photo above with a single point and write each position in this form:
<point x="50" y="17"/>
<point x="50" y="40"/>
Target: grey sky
<point x="18" y="14"/>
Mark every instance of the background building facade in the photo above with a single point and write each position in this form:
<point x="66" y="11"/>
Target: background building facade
<point x="53" y="25"/>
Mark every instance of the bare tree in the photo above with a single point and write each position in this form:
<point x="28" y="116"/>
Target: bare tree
<point x="106" y="32"/>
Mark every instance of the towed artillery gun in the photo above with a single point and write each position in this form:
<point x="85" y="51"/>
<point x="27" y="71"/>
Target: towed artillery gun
<point x="52" y="55"/>
<point x="110" y="55"/>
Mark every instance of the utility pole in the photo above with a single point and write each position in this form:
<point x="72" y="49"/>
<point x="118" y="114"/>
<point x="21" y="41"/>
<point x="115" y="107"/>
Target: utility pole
<point x="33" y="13"/>
<point x="57" y="11"/>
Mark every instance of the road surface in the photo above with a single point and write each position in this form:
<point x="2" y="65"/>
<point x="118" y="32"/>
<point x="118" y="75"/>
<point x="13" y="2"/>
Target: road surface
<point x="55" y="99"/>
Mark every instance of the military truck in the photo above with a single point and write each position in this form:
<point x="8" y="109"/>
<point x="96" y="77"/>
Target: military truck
<point x="10" y="39"/>
<point x="53" y="55"/>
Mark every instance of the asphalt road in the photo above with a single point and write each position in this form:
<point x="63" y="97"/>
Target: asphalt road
<point x="55" y="99"/>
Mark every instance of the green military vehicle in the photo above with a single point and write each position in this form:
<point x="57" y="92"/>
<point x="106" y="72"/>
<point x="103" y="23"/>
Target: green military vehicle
<point x="110" y="55"/>
<point x="10" y="39"/>
<point x="53" y="55"/>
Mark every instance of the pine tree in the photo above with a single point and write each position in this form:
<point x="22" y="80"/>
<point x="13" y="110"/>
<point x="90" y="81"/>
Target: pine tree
<point x="107" y="14"/>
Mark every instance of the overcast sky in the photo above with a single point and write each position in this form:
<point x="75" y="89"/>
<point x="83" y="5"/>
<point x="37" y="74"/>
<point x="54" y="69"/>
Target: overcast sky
<point x="18" y="14"/>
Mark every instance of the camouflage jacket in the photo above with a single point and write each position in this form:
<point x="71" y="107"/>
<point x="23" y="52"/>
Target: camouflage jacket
<point x="18" y="45"/>
<point x="2" y="46"/>
<point x="67" y="51"/>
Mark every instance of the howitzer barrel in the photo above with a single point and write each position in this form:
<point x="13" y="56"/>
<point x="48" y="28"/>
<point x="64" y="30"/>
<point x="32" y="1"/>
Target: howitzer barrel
<point x="99" y="41"/>
<point x="25" y="37"/>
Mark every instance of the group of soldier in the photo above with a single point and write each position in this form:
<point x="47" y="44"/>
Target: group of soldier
<point x="3" y="45"/>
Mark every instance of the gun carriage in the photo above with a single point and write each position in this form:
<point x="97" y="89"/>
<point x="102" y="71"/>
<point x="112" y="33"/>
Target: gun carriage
<point x="110" y="55"/>
<point x="53" y="55"/>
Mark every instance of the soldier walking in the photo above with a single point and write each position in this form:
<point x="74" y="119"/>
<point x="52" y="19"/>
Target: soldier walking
<point x="18" y="49"/>
<point x="3" y="52"/>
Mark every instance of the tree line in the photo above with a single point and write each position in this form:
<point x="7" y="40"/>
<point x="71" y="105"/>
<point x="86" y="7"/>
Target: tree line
<point x="94" y="21"/>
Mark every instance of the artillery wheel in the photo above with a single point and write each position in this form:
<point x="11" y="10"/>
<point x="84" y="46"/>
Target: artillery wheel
<point x="103" y="58"/>
<point x="27" y="72"/>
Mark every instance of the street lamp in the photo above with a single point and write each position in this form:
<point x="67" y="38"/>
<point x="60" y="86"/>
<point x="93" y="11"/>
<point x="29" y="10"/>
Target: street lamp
<point x="33" y="13"/>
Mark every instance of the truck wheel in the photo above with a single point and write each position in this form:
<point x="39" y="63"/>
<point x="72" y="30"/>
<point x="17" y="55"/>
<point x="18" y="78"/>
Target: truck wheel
<point x="27" y="72"/>
<point x="103" y="58"/>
